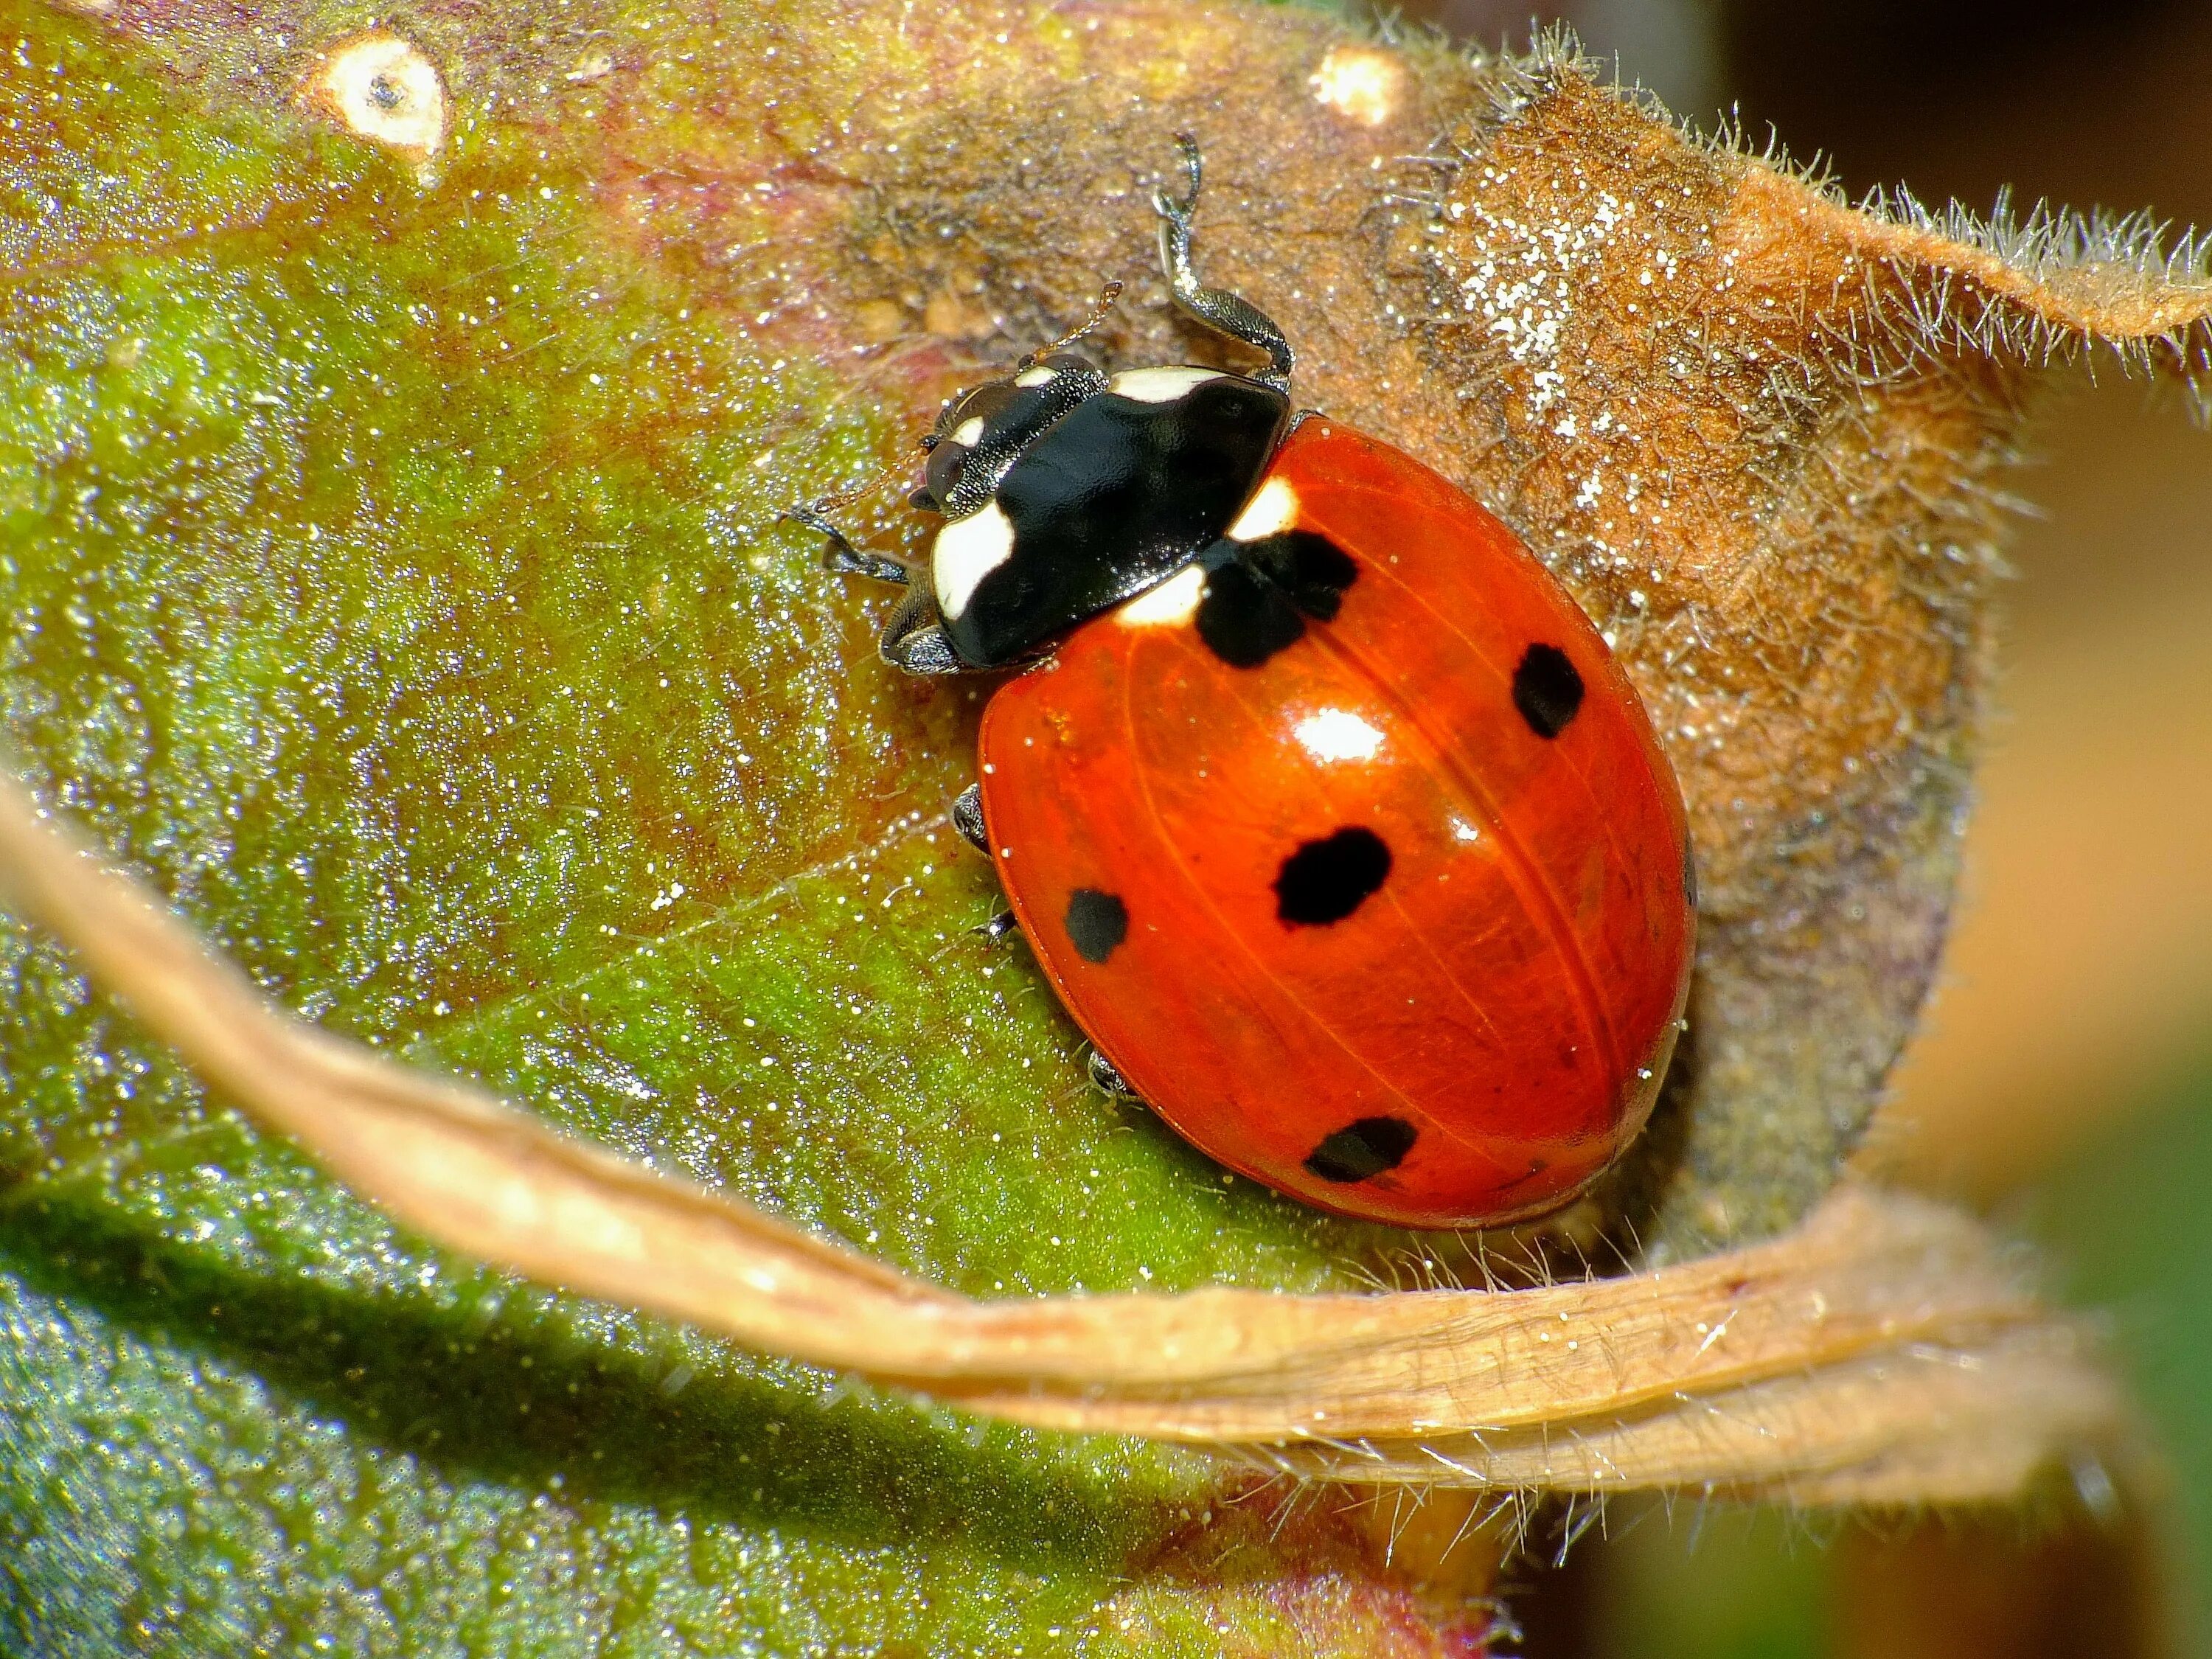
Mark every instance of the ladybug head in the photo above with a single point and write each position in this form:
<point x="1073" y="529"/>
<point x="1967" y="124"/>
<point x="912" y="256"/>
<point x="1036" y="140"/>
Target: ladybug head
<point x="1066" y="491"/>
<point x="981" y="433"/>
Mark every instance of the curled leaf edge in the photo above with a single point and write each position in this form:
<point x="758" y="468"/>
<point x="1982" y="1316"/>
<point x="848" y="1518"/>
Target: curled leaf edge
<point x="1887" y="1351"/>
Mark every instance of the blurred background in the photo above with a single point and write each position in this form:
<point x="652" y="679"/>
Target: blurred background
<point x="2063" y="1079"/>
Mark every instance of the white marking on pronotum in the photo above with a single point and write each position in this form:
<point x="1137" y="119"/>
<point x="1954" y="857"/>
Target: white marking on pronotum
<point x="1271" y="512"/>
<point x="968" y="431"/>
<point x="967" y="550"/>
<point x="1037" y="376"/>
<point x="1160" y="386"/>
<point x="1338" y="734"/>
<point x="1170" y="603"/>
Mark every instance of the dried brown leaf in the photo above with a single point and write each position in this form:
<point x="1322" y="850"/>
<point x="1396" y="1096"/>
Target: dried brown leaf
<point x="1883" y="1352"/>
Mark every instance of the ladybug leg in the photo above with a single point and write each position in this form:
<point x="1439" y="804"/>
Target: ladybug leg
<point x="840" y="557"/>
<point x="914" y="639"/>
<point x="1104" y="1075"/>
<point x="968" y="818"/>
<point x="843" y="559"/>
<point x="1216" y="308"/>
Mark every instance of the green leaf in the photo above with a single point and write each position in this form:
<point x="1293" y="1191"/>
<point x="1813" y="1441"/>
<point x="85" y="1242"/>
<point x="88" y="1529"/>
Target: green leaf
<point x="390" y="475"/>
<point x="391" y="569"/>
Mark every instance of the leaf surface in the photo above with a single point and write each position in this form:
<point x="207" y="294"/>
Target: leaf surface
<point x="392" y="571"/>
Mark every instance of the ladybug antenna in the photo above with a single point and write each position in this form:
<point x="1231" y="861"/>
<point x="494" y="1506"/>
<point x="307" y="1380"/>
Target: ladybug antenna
<point x="845" y="498"/>
<point x="1099" y="312"/>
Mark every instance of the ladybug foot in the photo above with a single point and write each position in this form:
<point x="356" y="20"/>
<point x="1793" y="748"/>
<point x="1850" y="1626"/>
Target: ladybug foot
<point x="968" y="818"/>
<point x="1179" y="210"/>
<point x="840" y="557"/>
<point x="914" y="639"/>
<point x="1104" y="1076"/>
<point x="999" y="926"/>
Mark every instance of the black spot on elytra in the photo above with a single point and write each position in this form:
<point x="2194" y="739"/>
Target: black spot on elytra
<point x="1258" y="594"/>
<point x="1097" y="923"/>
<point x="1360" y="1151"/>
<point x="1547" y="689"/>
<point x="1244" y="618"/>
<point x="1326" y="881"/>
<point x="1307" y="566"/>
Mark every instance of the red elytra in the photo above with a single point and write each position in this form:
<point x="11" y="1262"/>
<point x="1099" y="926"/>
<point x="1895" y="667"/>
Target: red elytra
<point x="1399" y="920"/>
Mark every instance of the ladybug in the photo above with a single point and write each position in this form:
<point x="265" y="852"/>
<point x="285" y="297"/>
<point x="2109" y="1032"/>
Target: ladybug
<point x="1329" y="816"/>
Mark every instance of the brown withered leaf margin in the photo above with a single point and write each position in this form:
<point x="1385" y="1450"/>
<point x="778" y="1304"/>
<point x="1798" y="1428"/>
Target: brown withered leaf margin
<point x="1884" y="1352"/>
<point x="1847" y="393"/>
<point x="1765" y="437"/>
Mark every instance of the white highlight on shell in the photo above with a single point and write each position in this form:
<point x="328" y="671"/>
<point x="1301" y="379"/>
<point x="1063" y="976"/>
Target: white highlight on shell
<point x="1172" y="602"/>
<point x="382" y="88"/>
<point x="1161" y="386"/>
<point x="1338" y="734"/>
<point x="1271" y="510"/>
<point x="968" y="431"/>
<point x="967" y="550"/>
<point x="1359" y="83"/>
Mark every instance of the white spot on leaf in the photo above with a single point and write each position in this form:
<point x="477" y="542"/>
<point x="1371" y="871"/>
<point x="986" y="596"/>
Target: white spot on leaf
<point x="595" y="66"/>
<point x="379" y="87"/>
